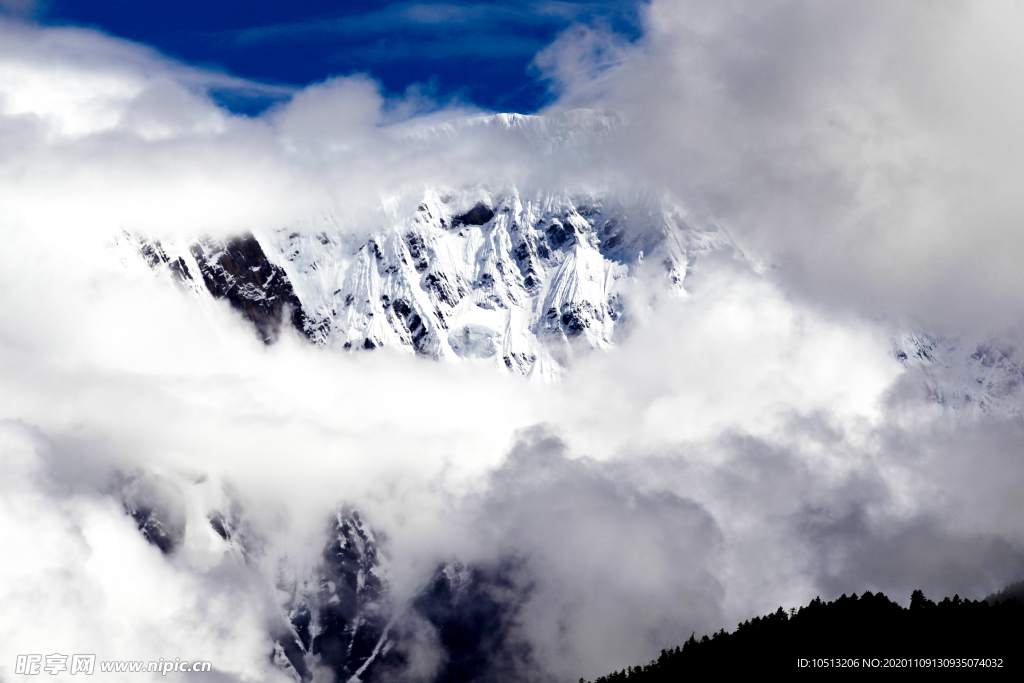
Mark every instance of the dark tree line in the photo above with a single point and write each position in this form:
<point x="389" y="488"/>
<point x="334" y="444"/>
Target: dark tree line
<point x="852" y="628"/>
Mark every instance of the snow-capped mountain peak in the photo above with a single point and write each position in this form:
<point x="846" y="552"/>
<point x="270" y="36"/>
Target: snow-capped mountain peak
<point x="520" y="280"/>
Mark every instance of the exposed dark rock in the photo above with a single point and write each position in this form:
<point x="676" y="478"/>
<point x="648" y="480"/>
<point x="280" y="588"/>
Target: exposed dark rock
<point x="520" y="362"/>
<point x="154" y="254"/>
<point x="560" y="235"/>
<point x="438" y="283"/>
<point x="344" y="620"/>
<point x="543" y="251"/>
<point x="375" y="248"/>
<point x="611" y="241"/>
<point x="291" y="655"/>
<point x="219" y="525"/>
<point x="475" y="611"/>
<point x="527" y="254"/>
<point x="616" y="309"/>
<point x="238" y="270"/>
<point x="155" y="528"/>
<point x="179" y="269"/>
<point x="417" y="250"/>
<point x="478" y="215"/>
<point x="675" y="276"/>
<point x="574" y="320"/>
<point x="414" y="324"/>
<point x="158" y="509"/>
<point x="319" y="331"/>
<point x="342" y="623"/>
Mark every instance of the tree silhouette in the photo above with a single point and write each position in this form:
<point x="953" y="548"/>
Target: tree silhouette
<point x="862" y="629"/>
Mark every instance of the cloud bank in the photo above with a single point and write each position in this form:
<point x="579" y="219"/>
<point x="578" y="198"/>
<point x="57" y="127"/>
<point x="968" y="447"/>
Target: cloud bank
<point x="752" y="444"/>
<point x="871" y="148"/>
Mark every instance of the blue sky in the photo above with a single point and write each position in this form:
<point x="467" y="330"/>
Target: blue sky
<point x="479" y="52"/>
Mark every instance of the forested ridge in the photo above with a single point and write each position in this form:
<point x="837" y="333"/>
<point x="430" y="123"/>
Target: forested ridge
<point x="856" y="632"/>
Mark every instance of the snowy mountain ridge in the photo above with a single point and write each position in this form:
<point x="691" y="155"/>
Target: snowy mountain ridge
<point x="518" y="279"/>
<point x="521" y="281"/>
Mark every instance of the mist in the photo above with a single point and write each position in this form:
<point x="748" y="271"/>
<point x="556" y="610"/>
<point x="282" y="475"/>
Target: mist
<point x="751" y="443"/>
<point x="868" y="148"/>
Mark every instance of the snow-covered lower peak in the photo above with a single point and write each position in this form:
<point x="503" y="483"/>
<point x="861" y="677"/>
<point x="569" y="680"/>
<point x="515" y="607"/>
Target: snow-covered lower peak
<point x="972" y="376"/>
<point x="522" y="281"/>
<point x="336" y="618"/>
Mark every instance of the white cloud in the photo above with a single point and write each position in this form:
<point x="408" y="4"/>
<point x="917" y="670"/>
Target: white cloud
<point x="870" y="147"/>
<point x="79" y="578"/>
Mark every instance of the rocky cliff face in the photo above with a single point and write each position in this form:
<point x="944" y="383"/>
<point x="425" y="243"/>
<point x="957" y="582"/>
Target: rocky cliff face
<point x="340" y="615"/>
<point x="342" y="618"/>
<point x="236" y="270"/>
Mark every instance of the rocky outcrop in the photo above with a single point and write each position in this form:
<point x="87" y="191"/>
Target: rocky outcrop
<point x="238" y="270"/>
<point x="157" y="507"/>
<point x="235" y="270"/>
<point x="339" y="618"/>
